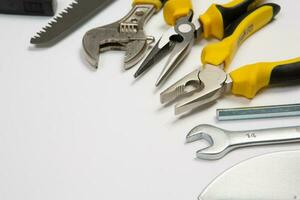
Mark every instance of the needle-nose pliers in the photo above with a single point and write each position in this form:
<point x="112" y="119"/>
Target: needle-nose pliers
<point x="179" y="40"/>
<point x="201" y="87"/>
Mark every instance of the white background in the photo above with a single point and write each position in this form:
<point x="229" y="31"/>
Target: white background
<point x="70" y="133"/>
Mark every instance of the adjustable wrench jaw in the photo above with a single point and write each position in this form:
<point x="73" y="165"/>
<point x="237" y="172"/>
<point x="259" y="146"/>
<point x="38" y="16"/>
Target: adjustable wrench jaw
<point x="104" y="39"/>
<point x="126" y="34"/>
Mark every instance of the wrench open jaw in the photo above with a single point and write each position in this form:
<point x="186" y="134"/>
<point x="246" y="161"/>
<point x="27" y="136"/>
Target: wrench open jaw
<point x="218" y="139"/>
<point x="126" y="34"/>
<point x="223" y="141"/>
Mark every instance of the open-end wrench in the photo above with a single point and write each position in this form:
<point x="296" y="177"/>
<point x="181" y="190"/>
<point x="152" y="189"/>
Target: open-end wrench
<point x="126" y="34"/>
<point x="223" y="141"/>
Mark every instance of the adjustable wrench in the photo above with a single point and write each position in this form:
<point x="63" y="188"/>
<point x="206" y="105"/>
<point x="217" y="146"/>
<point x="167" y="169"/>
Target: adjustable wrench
<point x="223" y="141"/>
<point x="127" y="34"/>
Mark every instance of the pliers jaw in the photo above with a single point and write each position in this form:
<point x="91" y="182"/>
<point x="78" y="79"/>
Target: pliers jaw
<point x="160" y="50"/>
<point x="199" y="99"/>
<point x="184" y="87"/>
<point x="183" y="39"/>
<point x="198" y="88"/>
<point x="177" y="41"/>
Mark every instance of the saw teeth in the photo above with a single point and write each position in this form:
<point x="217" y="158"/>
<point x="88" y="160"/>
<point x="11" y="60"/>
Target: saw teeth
<point x="75" y="13"/>
<point x="59" y="16"/>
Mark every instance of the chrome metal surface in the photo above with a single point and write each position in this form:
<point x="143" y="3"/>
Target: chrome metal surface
<point x="198" y="88"/>
<point x="178" y="41"/>
<point x="214" y="86"/>
<point x="66" y="21"/>
<point x="162" y="47"/>
<point x="184" y="41"/>
<point x="223" y="141"/>
<point x="273" y="176"/>
<point x="288" y="110"/>
<point x="185" y="86"/>
<point x="126" y="34"/>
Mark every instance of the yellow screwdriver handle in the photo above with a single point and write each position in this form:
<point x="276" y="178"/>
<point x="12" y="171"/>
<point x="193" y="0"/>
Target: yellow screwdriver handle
<point x="218" y="17"/>
<point x="223" y="52"/>
<point x="157" y="3"/>
<point x="250" y="79"/>
<point x="175" y="9"/>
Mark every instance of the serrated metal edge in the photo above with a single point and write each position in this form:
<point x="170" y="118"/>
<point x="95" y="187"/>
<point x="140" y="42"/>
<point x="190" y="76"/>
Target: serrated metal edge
<point x="57" y="19"/>
<point x="75" y="12"/>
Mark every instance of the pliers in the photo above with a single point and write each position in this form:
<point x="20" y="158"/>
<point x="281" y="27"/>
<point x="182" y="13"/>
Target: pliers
<point x="179" y="40"/>
<point x="202" y="87"/>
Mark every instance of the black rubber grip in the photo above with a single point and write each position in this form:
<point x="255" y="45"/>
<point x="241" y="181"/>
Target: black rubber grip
<point x="28" y="7"/>
<point x="231" y="28"/>
<point x="163" y="1"/>
<point x="231" y="14"/>
<point x="285" y="73"/>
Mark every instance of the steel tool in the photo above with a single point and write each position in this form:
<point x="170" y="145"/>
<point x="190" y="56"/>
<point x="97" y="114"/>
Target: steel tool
<point x="126" y="34"/>
<point x="274" y="176"/>
<point x="246" y="81"/>
<point x="205" y="86"/>
<point x="259" y="112"/>
<point x="28" y="7"/>
<point x="223" y="141"/>
<point x="69" y="19"/>
<point x="179" y="40"/>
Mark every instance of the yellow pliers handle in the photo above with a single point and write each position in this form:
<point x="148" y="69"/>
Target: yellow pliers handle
<point x="215" y="19"/>
<point x="218" y="17"/>
<point x="156" y="3"/>
<point x="250" y="79"/>
<point x="175" y="9"/>
<point x="222" y="53"/>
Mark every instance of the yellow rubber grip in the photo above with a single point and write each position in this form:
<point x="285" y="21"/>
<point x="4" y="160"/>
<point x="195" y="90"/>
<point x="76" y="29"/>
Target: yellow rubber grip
<point x="252" y="3"/>
<point x="216" y="19"/>
<point x="175" y="9"/>
<point x="223" y="52"/>
<point x="156" y="3"/>
<point x="250" y="79"/>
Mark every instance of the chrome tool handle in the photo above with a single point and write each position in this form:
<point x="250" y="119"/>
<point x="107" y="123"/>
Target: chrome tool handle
<point x="265" y="136"/>
<point x="136" y="18"/>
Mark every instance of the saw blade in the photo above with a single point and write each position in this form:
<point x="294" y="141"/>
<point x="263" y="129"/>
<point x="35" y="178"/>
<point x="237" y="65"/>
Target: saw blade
<point x="70" y="18"/>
